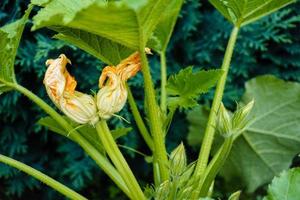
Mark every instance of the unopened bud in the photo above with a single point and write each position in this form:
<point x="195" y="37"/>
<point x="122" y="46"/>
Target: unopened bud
<point x="224" y="121"/>
<point x="178" y="160"/>
<point x="239" y="119"/>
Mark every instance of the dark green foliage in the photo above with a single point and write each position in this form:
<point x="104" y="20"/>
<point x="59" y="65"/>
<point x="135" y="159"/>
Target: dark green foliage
<point x="271" y="46"/>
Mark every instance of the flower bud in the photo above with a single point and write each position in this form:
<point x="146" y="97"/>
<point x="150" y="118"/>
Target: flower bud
<point x="178" y="160"/>
<point x="224" y="121"/>
<point x="239" y="119"/>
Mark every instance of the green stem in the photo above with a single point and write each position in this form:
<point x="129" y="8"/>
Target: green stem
<point x="210" y="128"/>
<point x="213" y="168"/>
<point x="154" y="116"/>
<point x="99" y="158"/>
<point x="139" y="120"/>
<point x="119" y="161"/>
<point x="42" y="177"/>
<point x="163" y="74"/>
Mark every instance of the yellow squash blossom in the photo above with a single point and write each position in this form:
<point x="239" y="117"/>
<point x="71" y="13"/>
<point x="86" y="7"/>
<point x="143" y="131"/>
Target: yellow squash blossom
<point x="60" y="86"/>
<point x="112" y="95"/>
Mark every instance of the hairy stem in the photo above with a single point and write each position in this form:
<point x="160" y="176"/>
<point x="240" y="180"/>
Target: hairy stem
<point x="119" y="161"/>
<point x="139" y="120"/>
<point x="101" y="161"/>
<point x="210" y="127"/>
<point x="154" y="115"/>
<point x="214" y="166"/>
<point x="42" y="177"/>
<point x="202" y="188"/>
<point x="163" y="74"/>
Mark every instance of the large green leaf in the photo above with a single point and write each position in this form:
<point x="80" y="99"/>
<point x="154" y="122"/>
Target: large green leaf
<point x="10" y="36"/>
<point x="185" y="86"/>
<point x="127" y="22"/>
<point x="164" y="28"/>
<point x="197" y="118"/>
<point x="273" y="138"/>
<point x="242" y="12"/>
<point x="285" y="187"/>
<point x="106" y="50"/>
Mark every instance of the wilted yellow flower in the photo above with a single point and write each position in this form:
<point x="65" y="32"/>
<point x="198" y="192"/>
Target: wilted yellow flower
<point x="55" y="77"/>
<point x="112" y="96"/>
<point x="60" y="86"/>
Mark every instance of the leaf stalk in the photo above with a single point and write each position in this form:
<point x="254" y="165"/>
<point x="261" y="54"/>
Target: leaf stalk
<point x="42" y="177"/>
<point x="211" y="124"/>
<point x="119" y="161"/>
<point x="154" y="114"/>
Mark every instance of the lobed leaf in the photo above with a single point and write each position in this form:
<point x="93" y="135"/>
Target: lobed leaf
<point x="126" y="22"/>
<point x="242" y="12"/>
<point x="164" y="28"/>
<point x="272" y="139"/>
<point x="269" y="143"/>
<point x="185" y="86"/>
<point x="10" y="36"/>
<point x="285" y="186"/>
<point x="103" y="49"/>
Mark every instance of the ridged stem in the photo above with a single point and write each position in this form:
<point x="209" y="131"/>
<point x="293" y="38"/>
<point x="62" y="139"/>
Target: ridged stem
<point x="119" y="161"/>
<point x="211" y="124"/>
<point x="202" y="188"/>
<point x="139" y="120"/>
<point x="101" y="161"/>
<point x="154" y="116"/>
<point x="69" y="193"/>
<point x="163" y="86"/>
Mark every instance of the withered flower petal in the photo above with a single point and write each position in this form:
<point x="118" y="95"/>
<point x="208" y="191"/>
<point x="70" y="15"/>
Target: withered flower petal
<point x="112" y="95"/>
<point x="60" y="86"/>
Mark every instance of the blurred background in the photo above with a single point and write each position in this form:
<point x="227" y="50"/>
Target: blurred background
<point x="270" y="46"/>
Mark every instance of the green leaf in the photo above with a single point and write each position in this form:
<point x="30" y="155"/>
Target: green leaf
<point x="106" y="50"/>
<point x="197" y="118"/>
<point x="10" y="36"/>
<point x="187" y="85"/>
<point x="164" y="28"/>
<point x="285" y="186"/>
<point x="127" y="22"/>
<point x="272" y="139"/>
<point x="120" y="132"/>
<point x="242" y="12"/>
<point x="40" y="2"/>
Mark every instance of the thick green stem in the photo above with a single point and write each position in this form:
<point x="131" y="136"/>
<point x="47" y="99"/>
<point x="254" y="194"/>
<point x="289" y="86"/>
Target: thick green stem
<point x="163" y="74"/>
<point x="214" y="166"/>
<point x="119" y="161"/>
<point x="102" y="162"/>
<point x="154" y="116"/>
<point x="43" y="178"/>
<point x="202" y="188"/>
<point x="210" y="128"/>
<point x="139" y="120"/>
